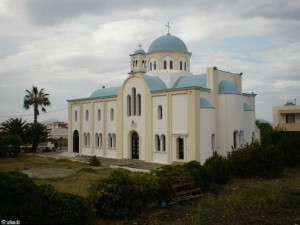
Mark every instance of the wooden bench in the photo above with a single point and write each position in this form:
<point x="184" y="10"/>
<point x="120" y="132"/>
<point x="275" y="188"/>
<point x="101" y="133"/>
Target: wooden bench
<point x="185" y="191"/>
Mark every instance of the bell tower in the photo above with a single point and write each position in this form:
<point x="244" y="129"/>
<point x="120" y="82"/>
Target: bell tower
<point x="138" y="61"/>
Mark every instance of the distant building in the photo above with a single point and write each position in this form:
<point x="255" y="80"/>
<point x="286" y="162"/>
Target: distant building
<point x="162" y="113"/>
<point x="59" y="133"/>
<point x="287" y="117"/>
<point x="54" y="124"/>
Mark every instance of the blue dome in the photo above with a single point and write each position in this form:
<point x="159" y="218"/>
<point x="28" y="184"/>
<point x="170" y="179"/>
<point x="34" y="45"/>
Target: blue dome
<point x="139" y="51"/>
<point x="167" y="43"/>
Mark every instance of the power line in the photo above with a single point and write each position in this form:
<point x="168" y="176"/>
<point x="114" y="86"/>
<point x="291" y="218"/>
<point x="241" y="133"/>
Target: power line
<point x="33" y="114"/>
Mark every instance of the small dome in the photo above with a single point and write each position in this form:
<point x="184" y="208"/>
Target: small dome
<point x="167" y="43"/>
<point x="139" y="51"/>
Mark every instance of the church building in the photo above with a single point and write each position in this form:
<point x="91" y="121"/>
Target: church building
<point x="163" y="113"/>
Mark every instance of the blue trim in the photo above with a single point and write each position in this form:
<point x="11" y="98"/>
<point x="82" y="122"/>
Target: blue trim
<point x="154" y="83"/>
<point x="204" y="103"/>
<point x="105" y="92"/>
<point x="191" y="81"/>
<point x="227" y="87"/>
<point x="247" y="107"/>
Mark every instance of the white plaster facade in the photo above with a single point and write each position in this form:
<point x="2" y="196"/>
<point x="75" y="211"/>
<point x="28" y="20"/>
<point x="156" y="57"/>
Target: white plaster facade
<point x="163" y="113"/>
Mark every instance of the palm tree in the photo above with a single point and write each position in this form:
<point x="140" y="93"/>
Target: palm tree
<point x="36" y="98"/>
<point x="15" y="127"/>
<point x="36" y="133"/>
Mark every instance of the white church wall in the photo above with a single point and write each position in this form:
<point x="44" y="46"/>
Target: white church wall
<point x="230" y="119"/>
<point x="86" y="118"/>
<point x="98" y="152"/>
<point x="249" y="125"/>
<point x="207" y="129"/>
<point x="75" y="121"/>
<point x="111" y="127"/>
<point x="179" y="114"/>
<point x="160" y="127"/>
<point x="134" y="122"/>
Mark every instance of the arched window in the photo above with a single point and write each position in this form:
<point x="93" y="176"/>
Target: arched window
<point x="75" y="116"/>
<point x="165" y="64"/>
<point x="97" y="140"/>
<point x="235" y="139"/>
<point x="159" y="112"/>
<point x="84" y="139"/>
<point x="253" y="137"/>
<point x="182" y="64"/>
<point x="109" y="140"/>
<point x="241" y="138"/>
<point x="88" y="139"/>
<point x="213" y="142"/>
<point x="157" y="142"/>
<point x="100" y="140"/>
<point x="171" y="65"/>
<point x="128" y="105"/>
<point x="163" y="142"/>
<point x="99" y="115"/>
<point x="152" y="64"/>
<point x="113" y="140"/>
<point x="87" y="115"/>
<point x="133" y="96"/>
<point x="139" y="103"/>
<point x="111" y="114"/>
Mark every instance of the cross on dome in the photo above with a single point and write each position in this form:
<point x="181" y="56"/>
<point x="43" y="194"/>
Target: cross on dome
<point x="168" y="26"/>
<point x="140" y="45"/>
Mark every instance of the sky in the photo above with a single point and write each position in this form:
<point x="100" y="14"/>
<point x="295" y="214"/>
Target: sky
<point x="73" y="47"/>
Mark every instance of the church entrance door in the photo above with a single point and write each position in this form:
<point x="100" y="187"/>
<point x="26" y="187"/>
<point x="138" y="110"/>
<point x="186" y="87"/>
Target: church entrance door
<point x="135" y="145"/>
<point x="75" y="141"/>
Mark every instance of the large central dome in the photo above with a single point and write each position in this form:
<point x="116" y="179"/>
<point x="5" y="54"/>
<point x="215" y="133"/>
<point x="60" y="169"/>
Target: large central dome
<point x="167" y="43"/>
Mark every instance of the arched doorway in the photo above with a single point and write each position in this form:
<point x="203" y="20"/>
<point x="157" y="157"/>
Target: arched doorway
<point x="135" y="145"/>
<point x="75" y="141"/>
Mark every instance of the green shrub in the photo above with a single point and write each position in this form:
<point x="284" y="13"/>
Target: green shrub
<point x="63" y="208"/>
<point x="122" y="195"/>
<point x="168" y="175"/>
<point x="199" y="174"/>
<point x="217" y="168"/>
<point x="290" y="147"/>
<point x="94" y="161"/>
<point x="255" y="159"/>
<point x="3" y="150"/>
<point x="20" y="199"/>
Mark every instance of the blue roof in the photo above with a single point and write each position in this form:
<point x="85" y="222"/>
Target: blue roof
<point x="154" y="83"/>
<point x="105" y="92"/>
<point x="139" y="51"/>
<point x="247" y="107"/>
<point x="204" y="103"/>
<point x="167" y="43"/>
<point x="191" y="81"/>
<point x="227" y="87"/>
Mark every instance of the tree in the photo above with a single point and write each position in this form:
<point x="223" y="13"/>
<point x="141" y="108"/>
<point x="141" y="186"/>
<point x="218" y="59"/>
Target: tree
<point x="15" y="127"/>
<point x="36" y="98"/>
<point x="36" y="133"/>
<point x="265" y="132"/>
<point x="13" y="135"/>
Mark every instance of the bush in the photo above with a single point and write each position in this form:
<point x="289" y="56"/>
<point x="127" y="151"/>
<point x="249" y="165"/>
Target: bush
<point x="199" y="174"/>
<point x="3" y="150"/>
<point x="217" y="168"/>
<point x="168" y="175"/>
<point x="122" y="195"/>
<point x="289" y="146"/>
<point x="63" y="208"/>
<point x="255" y="159"/>
<point x="22" y="199"/>
<point x="94" y="161"/>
